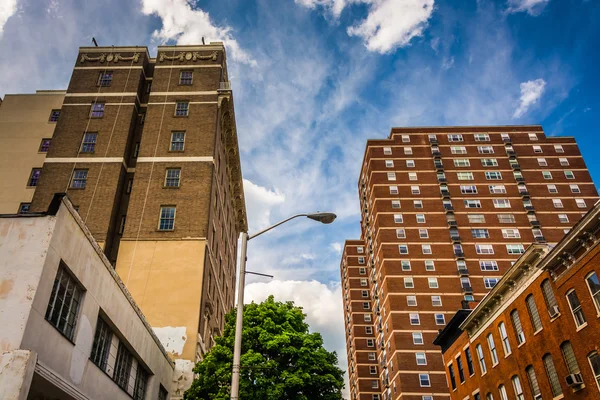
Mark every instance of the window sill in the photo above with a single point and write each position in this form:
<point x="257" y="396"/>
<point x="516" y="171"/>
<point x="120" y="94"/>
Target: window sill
<point x="30" y="187"/>
<point x="538" y="331"/>
<point x="171" y="187"/>
<point x="557" y="317"/>
<point x="175" y="151"/>
<point x="165" y="230"/>
<point x="560" y="396"/>
<point x="494" y="365"/>
<point x="580" y="327"/>
<point x="76" y="188"/>
<point x="508" y="355"/>
<point x="180" y="116"/>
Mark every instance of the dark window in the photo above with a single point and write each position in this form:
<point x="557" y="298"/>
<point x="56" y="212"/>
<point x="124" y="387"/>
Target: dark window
<point x="54" y="114"/>
<point x="469" y="361"/>
<point x="34" y="177"/>
<point x="97" y="110"/>
<point x="129" y="186"/>
<point x="185" y="77"/>
<point x="177" y="141"/>
<point x="88" y="144"/>
<point x="172" y="177"/>
<point x="162" y="393"/>
<point x="64" y="302"/>
<point x="452" y="377"/>
<point x="533" y="313"/>
<point x="105" y="78"/>
<point x="122" y="224"/>
<point x="136" y="150"/>
<point x="141" y="378"/>
<point x="167" y="218"/>
<point x="45" y="145"/>
<point x="461" y="371"/>
<point x="122" y="367"/>
<point x="101" y="346"/>
<point x="79" y="178"/>
<point x="24" y="208"/>
<point x="182" y="108"/>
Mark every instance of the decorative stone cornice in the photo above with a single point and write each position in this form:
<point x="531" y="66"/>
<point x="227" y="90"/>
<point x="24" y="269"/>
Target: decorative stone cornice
<point x="109" y="58"/>
<point x="188" y="56"/>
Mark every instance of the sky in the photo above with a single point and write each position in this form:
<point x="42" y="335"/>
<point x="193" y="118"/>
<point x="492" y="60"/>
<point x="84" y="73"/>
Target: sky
<point x="314" y="79"/>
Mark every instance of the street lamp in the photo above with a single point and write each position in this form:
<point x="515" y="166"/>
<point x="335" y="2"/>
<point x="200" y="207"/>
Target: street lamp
<point x="325" y="218"/>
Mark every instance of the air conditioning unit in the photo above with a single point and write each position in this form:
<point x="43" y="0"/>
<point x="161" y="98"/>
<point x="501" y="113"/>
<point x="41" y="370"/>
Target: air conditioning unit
<point x="537" y="397"/>
<point x="574" y="380"/>
<point x="554" y="311"/>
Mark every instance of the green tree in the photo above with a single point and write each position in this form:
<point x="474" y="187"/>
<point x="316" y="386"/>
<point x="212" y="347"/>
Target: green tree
<point x="281" y="360"/>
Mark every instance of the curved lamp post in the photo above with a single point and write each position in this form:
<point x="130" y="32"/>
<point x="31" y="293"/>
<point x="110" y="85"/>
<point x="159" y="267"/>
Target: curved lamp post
<point x="325" y="218"/>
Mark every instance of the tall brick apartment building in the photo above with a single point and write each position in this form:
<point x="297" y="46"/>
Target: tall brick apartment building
<point x="146" y="149"/>
<point x="445" y="212"/>
<point x="536" y="335"/>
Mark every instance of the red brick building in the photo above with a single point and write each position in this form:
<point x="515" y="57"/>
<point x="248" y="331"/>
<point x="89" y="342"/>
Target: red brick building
<point x="445" y="213"/>
<point x="536" y="335"/>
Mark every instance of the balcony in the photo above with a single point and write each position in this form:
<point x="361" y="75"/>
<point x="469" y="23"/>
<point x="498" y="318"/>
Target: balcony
<point x="225" y="86"/>
<point x="448" y="207"/>
<point x="519" y="179"/>
<point x="524" y="193"/>
<point x="467" y="289"/>
<point x="515" y="166"/>
<point x="463" y="272"/>
<point x="436" y="153"/>
<point x="455" y="238"/>
<point x="540" y="239"/>
<point x="459" y="254"/>
<point x="535" y="223"/>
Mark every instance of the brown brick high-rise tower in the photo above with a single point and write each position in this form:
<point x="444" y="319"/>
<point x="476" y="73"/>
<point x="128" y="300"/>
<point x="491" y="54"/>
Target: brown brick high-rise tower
<point x="445" y="212"/>
<point x="146" y="149"/>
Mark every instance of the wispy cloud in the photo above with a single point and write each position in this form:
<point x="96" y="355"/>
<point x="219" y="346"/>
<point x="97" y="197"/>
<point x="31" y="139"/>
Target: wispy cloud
<point x="531" y="7"/>
<point x="7" y="9"/>
<point x="259" y="202"/>
<point x="531" y="92"/>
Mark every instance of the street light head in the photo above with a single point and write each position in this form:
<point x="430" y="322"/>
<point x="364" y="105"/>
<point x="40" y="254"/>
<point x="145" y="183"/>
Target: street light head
<point x="325" y="218"/>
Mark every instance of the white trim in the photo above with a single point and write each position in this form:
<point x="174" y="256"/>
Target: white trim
<point x="190" y="102"/>
<point x="190" y="66"/>
<point x="85" y="160"/>
<point x="61" y="383"/>
<point x="101" y="94"/>
<point x="110" y="67"/>
<point x="106" y="104"/>
<point x="175" y="159"/>
<point x="182" y="93"/>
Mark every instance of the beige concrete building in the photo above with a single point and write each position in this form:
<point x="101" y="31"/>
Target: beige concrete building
<point x="70" y="329"/>
<point x="27" y="124"/>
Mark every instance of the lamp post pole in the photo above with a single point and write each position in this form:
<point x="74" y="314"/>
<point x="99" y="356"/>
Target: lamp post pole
<point x="325" y="218"/>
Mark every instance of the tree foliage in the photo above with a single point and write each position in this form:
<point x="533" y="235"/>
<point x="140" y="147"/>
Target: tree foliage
<point x="281" y="359"/>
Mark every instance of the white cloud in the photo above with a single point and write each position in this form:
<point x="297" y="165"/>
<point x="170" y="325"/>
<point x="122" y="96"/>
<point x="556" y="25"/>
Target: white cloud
<point x="185" y="25"/>
<point x="336" y="247"/>
<point x="390" y="24"/>
<point x="7" y="9"/>
<point x="259" y="202"/>
<point x="322" y="305"/>
<point x="447" y="63"/>
<point x="531" y="91"/>
<point x="532" y="7"/>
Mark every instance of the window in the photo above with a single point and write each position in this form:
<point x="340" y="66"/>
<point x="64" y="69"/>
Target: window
<point x="167" y="218"/>
<point x="433" y="283"/>
<point x="479" y="350"/>
<point x="395" y="203"/>
<point x="532" y="136"/>
<point x="557" y="203"/>
<point x="418" y="203"/>
<point x="423" y="234"/>
<point x="45" y="145"/>
<point x="503" y="394"/>
<point x="569" y="175"/>
<point x="34" y="177"/>
<point x="485" y="149"/>
<point x="472" y="189"/>
<point x="400" y="234"/>
<point x="54" y="114"/>
<point x="416" y="190"/>
<point x="452" y="377"/>
<point x="412" y="176"/>
<point x="426" y="249"/>
<point x="439" y="319"/>
<point x="501" y="203"/>
<point x="436" y="301"/>
<point x="421" y="358"/>
<point x="552" y="189"/>
<point x="511" y="234"/>
<point x="480" y="233"/>
<point x="408" y="150"/>
<point x="177" y="141"/>
<point x="365" y="293"/>
<point x="455" y="138"/>
<point x="563" y="218"/>
<point x="515" y="249"/>
<point x="182" y="108"/>
<point x="464" y="176"/>
<point x="493" y="175"/>
<point x="409" y="283"/>
<point x="24" y="208"/>
<point x="489" y="396"/>
<point x="533" y="382"/>
<point x="490" y="282"/>
<point x="373" y="369"/>
<point x="516" y="322"/>
<point x="472" y="204"/>
<point x="424" y="380"/>
<point x="461" y="371"/>
<point x="476" y="218"/>
<point x="362" y="271"/>
<point x="558" y="148"/>
<point x="484" y="249"/>
<point x="414" y="319"/>
<point x="552" y="375"/>
<point x="504" y="338"/>
<point x="393" y="189"/>
<point x="569" y="356"/>
<point x="405" y="139"/>
<point x="518" y="389"/>
<point x="403" y="248"/>
<point x="105" y="78"/>
<point x="391" y="176"/>
<point x="387" y="151"/>
<point x="536" y="322"/>
<point x="172" y="177"/>
<point x="537" y="149"/>
<point x="482" y="137"/>
<point x="389" y="163"/>
<point x="497" y="189"/>
<point x="366" y="306"/>
<point x="79" y="179"/>
<point x="580" y="203"/>
<point x="63" y="306"/>
<point x="363" y="282"/>
<point x="360" y="249"/>
<point x="162" y="393"/>
<point x="411" y="300"/>
<point x="574" y="188"/>
<point x="594" y="286"/>
<point x="410" y="163"/>
<point x="547" y="174"/>
<point x="549" y="296"/>
<point x="136" y="150"/>
<point x="429" y="265"/>
<point x="575" y="306"/>
<point x="185" y="77"/>
<point x="420" y="218"/>
<point x="101" y="346"/>
<point x="361" y="260"/>
<point x="542" y="162"/>
<point x="370" y="343"/>
<point x="458" y="149"/>
<point x="492" y="347"/>
<point x="594" y="360"/>
<point x="488" y="265"/>
<point x="563" y="162"/>
<point x="367" y="317"/>
<point x="489" y="162"/>
<point x="368" y="330"/>
<point x="122" y="367"/>
<point x="398" y="219"/>
<point x="97" y="110"/>
<point x="417" y="338"/>
<point x="88" y="144"/>
<point x="462" y="162"/>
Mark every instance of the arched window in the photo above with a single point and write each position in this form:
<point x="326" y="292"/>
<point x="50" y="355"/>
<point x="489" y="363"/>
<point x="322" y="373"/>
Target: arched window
<point x="533" y="382"/>
<point x="514" y="316"/>
<point x="518" y="388"/>
<point x="576" y="309"/>
<point x="569" y="356"/>
<point x="552" y="375"/>
<point x="549" y="298"/>
<point x="594" y="286"/>
<point x="504" y="337"/>
<point x="594" y="360"/>
<point x="534" y="315"/>
<point x="492" y="346"/>
<point x="503" y="394"/>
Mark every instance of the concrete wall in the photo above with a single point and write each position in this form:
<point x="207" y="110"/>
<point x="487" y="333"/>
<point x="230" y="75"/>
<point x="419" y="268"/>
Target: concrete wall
<point x="23" y="125"/>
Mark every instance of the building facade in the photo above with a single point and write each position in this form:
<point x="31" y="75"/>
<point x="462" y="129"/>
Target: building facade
<point x="445" y="212"/>
<point x="27" y="124"/>
<point x="146" y="149"/>
<point x="536" y="335"/>
<point x="71" y="330"/>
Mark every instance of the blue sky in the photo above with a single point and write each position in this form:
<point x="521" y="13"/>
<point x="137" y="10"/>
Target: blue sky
<point x="313" y="79"/>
